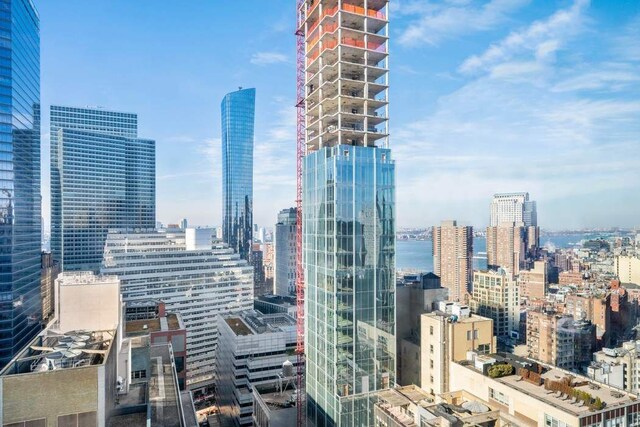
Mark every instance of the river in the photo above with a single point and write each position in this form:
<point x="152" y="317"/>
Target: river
<point x="416" y="254"/>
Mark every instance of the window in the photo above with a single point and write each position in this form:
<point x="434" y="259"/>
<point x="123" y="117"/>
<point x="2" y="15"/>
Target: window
<point x="553" y="422"/>
<point x="484" y="348"/>
<point x="138" y="374"/>
<point x="430" y="330"/>
<point x="431" y="348"/>
<point x="498" y="396"/>
<point x="431" y="364"/>
<point x="468" y="335"/>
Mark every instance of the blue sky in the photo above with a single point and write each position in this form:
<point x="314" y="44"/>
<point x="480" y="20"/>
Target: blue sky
<point x="486" y="96"/>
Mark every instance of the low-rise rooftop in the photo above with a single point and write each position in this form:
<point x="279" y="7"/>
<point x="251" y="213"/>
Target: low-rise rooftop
<point x="254" y="322"/>
<point x="52" y="350"/>
<point x="170" y="322"/>
<point x="85" y="278"/>
<point x="552" y="385"/>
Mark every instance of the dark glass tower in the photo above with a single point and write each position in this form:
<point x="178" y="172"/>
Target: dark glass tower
<point x="20" y="226"/>
<point x="102" y="177"/>
<point x="238" y="115"/>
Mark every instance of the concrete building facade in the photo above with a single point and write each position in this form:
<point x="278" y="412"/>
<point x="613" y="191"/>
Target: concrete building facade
<point x="255" y="352"/>
<point x="506" y="247"/>
<point x="416" y="295"/>
<point x="560" y="340"/>
<point x="447" y="334"/>
<point x="627" y="269"/>
<point x="496" y="296"/>
<point x="199" y="284"/>
<point x="513" y="208"/>
<point x="534" y="283"/>
<point x="618" y="367"/>
<point x="285" y="253"/>
<point x="535" y="394"/>
<point x="453" y="258"/>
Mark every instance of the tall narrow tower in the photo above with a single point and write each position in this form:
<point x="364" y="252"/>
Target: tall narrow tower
<point x="238" y="117"/>
<point x="348" y="209"/>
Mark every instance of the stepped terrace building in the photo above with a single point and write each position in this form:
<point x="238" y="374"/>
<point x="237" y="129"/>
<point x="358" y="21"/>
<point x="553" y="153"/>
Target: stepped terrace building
<point x="196" y="280"/>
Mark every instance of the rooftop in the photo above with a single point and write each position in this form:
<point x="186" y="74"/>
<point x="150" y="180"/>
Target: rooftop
<point x="238" y="326"/>
<point x="253" y="322"/>
<point x="464" y="319"/>
<point x="610" y="396"/>
<point x="164" y="394"/>
<point x="280" y="405"/>
<point x="169" y="323"/>
<point x="52" y="350"/>
<point x="85" y="278"/>
<point x="278" y="299"/>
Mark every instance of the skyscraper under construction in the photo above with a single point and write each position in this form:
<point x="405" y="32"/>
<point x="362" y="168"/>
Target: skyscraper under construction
<point x="348" y="208"/>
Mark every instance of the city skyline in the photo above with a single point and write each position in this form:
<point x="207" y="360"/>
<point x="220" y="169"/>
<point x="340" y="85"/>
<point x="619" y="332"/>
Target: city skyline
<point x="575" y="139"/>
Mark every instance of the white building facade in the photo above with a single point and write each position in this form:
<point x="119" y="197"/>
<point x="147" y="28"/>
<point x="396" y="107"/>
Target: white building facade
<point x="256" y="351"/>
<point x="199" y="284"/>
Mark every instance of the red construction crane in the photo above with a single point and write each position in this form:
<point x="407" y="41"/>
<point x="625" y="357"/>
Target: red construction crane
<point x="300" y="152"/>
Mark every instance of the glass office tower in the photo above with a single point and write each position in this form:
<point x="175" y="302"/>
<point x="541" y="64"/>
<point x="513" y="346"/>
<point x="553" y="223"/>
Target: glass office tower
<point x="348" y="213"/>
<point x="238" y="116"/>
<point x="20" y="226"/>
<point x="102" y="177"/>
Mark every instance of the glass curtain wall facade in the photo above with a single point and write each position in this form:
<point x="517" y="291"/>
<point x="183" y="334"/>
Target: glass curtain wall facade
<point x="102" y="177"/>
<point x="238" y="117"/>
<point x="348" y="212"/>
<point x="20" y="213"/>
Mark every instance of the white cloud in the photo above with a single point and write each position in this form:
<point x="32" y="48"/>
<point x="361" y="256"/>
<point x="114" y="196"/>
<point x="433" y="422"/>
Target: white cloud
<point x="268" y="58"/>
<point x="613" y="77"/>
<point x="451" y="19"/>
<point x="542" y="38"/>
<point x="626" y="45"/>
<point x="497" y="134"/>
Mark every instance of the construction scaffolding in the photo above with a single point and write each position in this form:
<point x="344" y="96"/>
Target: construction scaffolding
<point x="300" y="152"/>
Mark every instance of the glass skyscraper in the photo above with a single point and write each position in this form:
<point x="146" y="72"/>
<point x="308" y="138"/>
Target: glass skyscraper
<point x="20" y="219"/>
<point x="102" y="177"/>
<point x="348" y="209"/>
<point x="238" y="116"/>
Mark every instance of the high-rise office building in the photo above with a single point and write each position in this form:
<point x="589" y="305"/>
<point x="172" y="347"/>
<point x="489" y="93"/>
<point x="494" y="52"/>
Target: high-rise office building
<point x="20" y="216"/>
<point x="192" y="276"/>
<point x="184" y="224"/>
<point x="238" y="116"/>
<point x="348" y="212"/>
<point x="517" y="210"/>
<point x="256" y="259"/>
<point x="102" y="177"/>
<point x="285" y="253"/>
<point x="513" y="207"/>
<point x="453" y="257"/>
